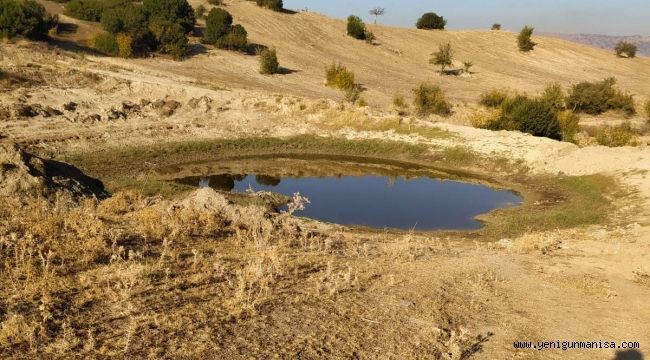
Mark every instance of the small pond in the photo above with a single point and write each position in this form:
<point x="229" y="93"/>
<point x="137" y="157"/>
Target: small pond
<point x="377" y="201"/>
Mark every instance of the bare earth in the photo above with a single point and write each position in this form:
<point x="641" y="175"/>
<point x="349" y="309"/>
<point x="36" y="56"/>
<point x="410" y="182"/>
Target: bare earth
<point x="582" y="284"/>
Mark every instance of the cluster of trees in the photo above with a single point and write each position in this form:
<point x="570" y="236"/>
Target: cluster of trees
<point x="220" y="31"/>
<point x="553" y="114"/>
<point x="134" y="28"/>
<point x="24" y="18"/>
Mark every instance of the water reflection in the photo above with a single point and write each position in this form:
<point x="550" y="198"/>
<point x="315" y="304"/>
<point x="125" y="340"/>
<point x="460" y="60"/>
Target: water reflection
<point x="377" y="201"/>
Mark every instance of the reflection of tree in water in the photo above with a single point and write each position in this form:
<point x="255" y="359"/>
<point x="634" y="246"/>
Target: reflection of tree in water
<point x="267" y="180"/>
<point x="223" y="182"/>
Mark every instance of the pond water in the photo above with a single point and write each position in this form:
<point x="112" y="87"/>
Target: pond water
<point x="422" y="203"/>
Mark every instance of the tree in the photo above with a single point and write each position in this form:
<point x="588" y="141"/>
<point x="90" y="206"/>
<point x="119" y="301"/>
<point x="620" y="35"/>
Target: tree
<point x="235" y="39"/>
<point x="467" y="66"/>
<point x="171" y="38"/>
<point x="275" y="5"/>
<point x="625" y="48"/>
<point x="356" y="27"/>
<point x="431" y="21"/>
<point x="217" y="25"/>
<point x="444" y="57"/>
<point x="269" y="62"/>
<point x="25" y="18"/>
<point x="496" y="27"/>
<point x="524" y="39"/>
<point x="376" y="12"/>
<point x="176" y="11"/>
<point x="200" y="11"/>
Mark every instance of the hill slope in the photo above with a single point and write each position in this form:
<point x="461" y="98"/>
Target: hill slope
<point x="307" y="42"/>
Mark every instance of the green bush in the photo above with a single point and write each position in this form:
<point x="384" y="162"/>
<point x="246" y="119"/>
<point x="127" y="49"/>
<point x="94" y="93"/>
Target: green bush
<point x="25" y="18"/>
<point x="597" y="97"/>
<point x="532" y="116"/>
<point x="616" y="136"/>
<point x="338" y="76"/>
<point x="625" y="48"/>
<point x="431" y="21"/>
<point x="217" y="25"/>
<point x="524" y="40"/>
<point x="430" y="99"/>
<point x="493" y="98"/>
<point x="200" y="11"/>
<point x="106" y="43"/>
<point x="269" y="62"/>
<point x="275" y="5"/>
<point x="554" y="96"/>
<point x="171" y="38"/>
<point x="176" y="11"/>
<point x="356" y="27"/>
<point x="235" y="39"/>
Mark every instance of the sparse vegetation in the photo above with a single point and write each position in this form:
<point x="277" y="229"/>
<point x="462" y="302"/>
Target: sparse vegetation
<point x="444" y="57"/>
<point x="269" y="62"/>
<point x="24" y="18"/>
<point x="524" y="40"/>
<point x="597" y="97"/>
<point x="625" y="49"/>
<point x="431" y="21"/>
<point x="430" y="99"/>
<point x="616" y="136"/>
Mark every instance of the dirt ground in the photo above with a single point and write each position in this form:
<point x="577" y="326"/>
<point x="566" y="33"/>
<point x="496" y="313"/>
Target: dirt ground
<point x="195" y="277"/>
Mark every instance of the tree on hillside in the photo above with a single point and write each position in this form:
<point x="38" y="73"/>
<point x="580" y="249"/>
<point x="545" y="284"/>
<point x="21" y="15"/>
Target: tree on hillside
<point x="431" y="21"/>
<point x="217" y="25"/>
<point x="26" y="18"/>
<point x="496" y="27"/>
<point x="356" y="27"/>
<point x="376" y="12"/>
<point x="177" y="11"/>
<point x="444" y="57"/>
<point x="524" y="40"/>
<point x="625" y="48"/>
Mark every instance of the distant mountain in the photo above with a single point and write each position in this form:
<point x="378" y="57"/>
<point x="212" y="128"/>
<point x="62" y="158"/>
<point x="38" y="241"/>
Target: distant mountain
<point x="606" y="41"/>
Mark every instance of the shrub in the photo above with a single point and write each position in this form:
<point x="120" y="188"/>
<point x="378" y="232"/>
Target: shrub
<point x="625" y="48"/>
<point x="616" y="136"/>
<point x="597" y="97"/>
<point x="646" y="109"/>
<point x="269" y="62"/>
<point x="399" y="102"/>
<point x="524" y="40"/>
<point x="443" y="57"/>
<point x="356" y="27"/>
<point x="496" y="27"/>
<point x="338" y="76"/>
<point x="467" y="66"/>
<point x="171" y="38"/>
<point x="235" y="39"/>
<point x="25" y="18"/>
<point x="554" y="96"/>
<point x="106" y="43"/>
<point x="431" y="21"/>
<point x="275" y="5"/>
<point x="430" y="99"/>
<point x="215" y="2"/>
<point x="532" y="116"/>
<point x="176" y="11"/>
<point x="129" y="18"/>
<point x="493" y="98"/>
<point x="569" y="125"/>
<point x="217" y="25"/>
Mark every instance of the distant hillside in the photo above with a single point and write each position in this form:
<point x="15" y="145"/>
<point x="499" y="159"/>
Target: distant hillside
<point x="607" y="41"/>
